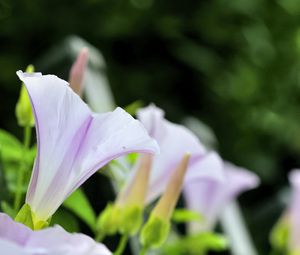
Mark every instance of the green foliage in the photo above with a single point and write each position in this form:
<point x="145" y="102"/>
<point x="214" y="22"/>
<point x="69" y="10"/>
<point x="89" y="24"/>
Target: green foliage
<point x="6" y="208"/>
<point x="183" y="215"/>
<point x="154" y="233"/>
<point x="12" y="154"/>
<point x="133" y="107"/>
<point x="198" y="244"/>
<point x="65" y="219"/>
<point x="79" y="204"/>
<point x="280" y="235"/>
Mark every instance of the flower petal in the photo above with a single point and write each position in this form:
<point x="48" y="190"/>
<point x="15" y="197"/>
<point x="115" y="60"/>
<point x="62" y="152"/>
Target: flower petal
<point x="174" y="141"/>
<point x="73" y="143"/>
<point x="10" y="248"/>
<point x="209" y="196"/>
<point x="13" y="231"/>
<point x="56" y="241"/>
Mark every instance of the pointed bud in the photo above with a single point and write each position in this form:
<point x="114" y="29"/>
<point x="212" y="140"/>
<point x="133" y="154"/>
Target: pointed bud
<point x="168" y="201"/>
<point x="23" y="108"/>
<point x="156" y="230"/>
<point x="137" y="192"/>
<point x="126" y="215"/>
<point x="108" y="220"/>
<point x="132" y="200"/>
<point x="77" y="71"/>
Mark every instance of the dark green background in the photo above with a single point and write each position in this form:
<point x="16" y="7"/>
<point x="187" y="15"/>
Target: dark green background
<point x="233" y="64"/>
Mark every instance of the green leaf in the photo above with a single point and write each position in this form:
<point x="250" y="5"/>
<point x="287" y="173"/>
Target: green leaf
<point x="184" y="215"/>
<point x="198" y="244"/>
<point x="133" y="107"/>
<point x="13" y="151"/>
<point x="209" y="241"/>
<point x="79" y="204"/>
<point x="65" y="219"/>
<point x="4" y="194"/>
<point x="6" y="208"/>
<point x="25" y="216"/>
<point x="10" y="146"/>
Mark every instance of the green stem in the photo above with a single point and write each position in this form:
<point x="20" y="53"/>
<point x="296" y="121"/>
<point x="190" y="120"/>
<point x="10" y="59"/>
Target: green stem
<point x="21" y="172"/>
<point x="122" y="245"/>
<point x="143" y="251"/>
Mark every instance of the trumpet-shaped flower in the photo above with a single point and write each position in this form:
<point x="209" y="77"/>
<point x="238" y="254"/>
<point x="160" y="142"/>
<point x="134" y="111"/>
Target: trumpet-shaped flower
<point x="175" y="141"/>
<point x="209" y="197"/>
<point x="17" y="239"/>
<point x="294" y="212"/>
<point x="73" y="142"/>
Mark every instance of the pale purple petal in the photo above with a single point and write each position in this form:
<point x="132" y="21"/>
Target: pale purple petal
<point x="294" y="178"/>
<point x="174" y="141"/>
<point x="56" y="241"/>
<point x="17" y="239"/>
<point x="13" y="231"/>
<point x="10" y="248"/>
<point x="73" y="142"/>
<point x="209" y="197"/>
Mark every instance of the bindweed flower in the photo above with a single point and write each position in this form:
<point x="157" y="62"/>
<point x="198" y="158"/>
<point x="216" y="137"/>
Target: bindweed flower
<point x="294" y="213"/>
<point x="156" y="229"/>
<point x="209" y="197"/>
<point x="17" y="239"/>
<point x="175" y="141"/>
<point x="73" y="142"/>
<point x="77" y="71"/>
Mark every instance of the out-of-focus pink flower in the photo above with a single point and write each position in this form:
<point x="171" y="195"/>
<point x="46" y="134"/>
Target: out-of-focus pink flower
<point x="209" y="197"/>
<point x="73" y="142"/>
<point x="175" y="141"/>
<point x="294" y="212"/>
<point x="77" y="71"/>
<point x="17" y="239"/>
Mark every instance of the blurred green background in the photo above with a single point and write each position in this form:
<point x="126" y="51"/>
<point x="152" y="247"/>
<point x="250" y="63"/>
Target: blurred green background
<point x="233" y="64"/>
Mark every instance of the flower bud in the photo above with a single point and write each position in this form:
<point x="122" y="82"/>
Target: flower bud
<point x="77" y="71"/>
<point x="108" y="221"/>
<point x="23" y="109"/>
<point x="126" y="214"/>
<point x="156" y="230"/>
<point x="167" y="202"/>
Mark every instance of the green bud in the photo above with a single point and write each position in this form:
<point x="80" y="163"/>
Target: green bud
<point x="280" y="234"/>
<point x="155" y="232"/>
<point x="131" y="220"/>
<point x="27" y="217"/>
<point x="109" y="220"/>
<point x="23" y="108"/>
